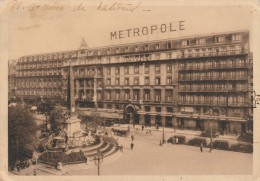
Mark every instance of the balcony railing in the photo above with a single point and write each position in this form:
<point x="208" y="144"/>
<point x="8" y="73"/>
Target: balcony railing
<point x="218" y="66"/>
<point x="203" y="89"/>
<point x="215" y="103"/>
<point x="209" y="54"/>
<point x="203" y="78"/>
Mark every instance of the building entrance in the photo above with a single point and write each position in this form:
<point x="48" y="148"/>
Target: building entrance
<point x="147" y="120"/>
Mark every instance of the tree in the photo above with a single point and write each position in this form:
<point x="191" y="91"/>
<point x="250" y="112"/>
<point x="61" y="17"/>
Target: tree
<point x="56" y="120"/>
<point x="21" y="133"/>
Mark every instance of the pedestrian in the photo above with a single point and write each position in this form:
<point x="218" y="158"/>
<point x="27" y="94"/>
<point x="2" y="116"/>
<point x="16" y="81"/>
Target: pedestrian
<point x="34" y="172"/>
<point x="86" y="160"/>
<point x="201" y="147"/>
<point x="142" y="127"/>
<point x="18" y="167"/>
<point x="132" y="137"/>
<point x="132" y="146"/>
<point x="121" y="148"/>
<point x="176" y="140"/>
<point x="157" y="127"/>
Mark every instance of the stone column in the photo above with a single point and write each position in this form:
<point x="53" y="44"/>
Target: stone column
<point x="152" y="120"/>
<point x="142" y="121"/>
<point x="163" y="120"/>
<point x="95" y="91"/>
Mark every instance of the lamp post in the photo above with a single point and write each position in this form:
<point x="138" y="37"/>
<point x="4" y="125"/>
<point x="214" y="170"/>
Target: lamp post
<point x="211" y="143"/>
<point x="98" y="160"/>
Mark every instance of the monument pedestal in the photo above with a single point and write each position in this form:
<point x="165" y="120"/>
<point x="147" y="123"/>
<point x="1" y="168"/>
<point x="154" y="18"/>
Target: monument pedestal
<point x="72" y="126"/>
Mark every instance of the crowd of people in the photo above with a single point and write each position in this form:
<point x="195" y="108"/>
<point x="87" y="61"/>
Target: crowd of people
<point x="20" y="165"/>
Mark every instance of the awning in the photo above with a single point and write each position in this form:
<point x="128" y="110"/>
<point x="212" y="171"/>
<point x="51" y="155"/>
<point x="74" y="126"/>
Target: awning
<point x="111" y="115"/>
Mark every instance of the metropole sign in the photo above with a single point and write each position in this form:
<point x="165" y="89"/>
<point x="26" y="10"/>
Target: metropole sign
<point x="148" y="30"/>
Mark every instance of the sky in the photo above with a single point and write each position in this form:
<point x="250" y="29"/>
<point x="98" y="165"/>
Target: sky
<point x="34" y="31"/>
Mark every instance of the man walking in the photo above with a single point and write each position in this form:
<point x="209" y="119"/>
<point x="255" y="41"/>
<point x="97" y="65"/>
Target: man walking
<point x="132" y="137"/>
<point x="132" y="146"/>
<point x="201" y="147"/>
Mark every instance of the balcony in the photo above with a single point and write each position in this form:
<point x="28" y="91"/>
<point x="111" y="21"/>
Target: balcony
<point x="210" y="78"/>
<point x="214" y="103"/>
<point x="212" y="54"/>
<point x="210" y="90"/>
<point x="214" y="67"/>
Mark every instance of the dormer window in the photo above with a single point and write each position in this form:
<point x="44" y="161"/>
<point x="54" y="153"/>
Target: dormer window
<point x="185" y="42"/>
<point x="219" y="39"/>
<point x="237" y="37"/>
<point x="200" y="41"/>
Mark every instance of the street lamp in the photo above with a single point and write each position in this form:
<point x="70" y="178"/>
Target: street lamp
<point x="163" y="135"/>
<point x="211" y="142"/>
<point x="98" y="160"/>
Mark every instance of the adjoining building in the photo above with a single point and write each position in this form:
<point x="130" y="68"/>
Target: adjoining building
<point x="197" y="82"/>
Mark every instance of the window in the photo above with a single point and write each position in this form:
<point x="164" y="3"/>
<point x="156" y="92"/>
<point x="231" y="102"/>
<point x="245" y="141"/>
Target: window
<point x="157" y="95"/>
<point x="108" y="71"/>
<point x="185" y="42"/>
<point x="136" y="95"/>
<point x="147" y="95"/>
<point x="108" y="81"/>
<point x="157" y="46"/>
<point x="169" y="68"/>
<point x="108" y="95"/>
<point x="157" y="80"/>
<point x="117" y="70"/>
<point x="136" y="69"/>
<point x="232" y="50"/>
<point x="169" y="45"/>
<point x="117" y="81"/>
<point x="127" y="95"/>
<point x="157" y="68"/>
<point x="147" y="81"/>
<point x="237" y="37"/>
<point x="200" y="41"/>
<point x="126" y="81"/>
<point x="126" y="70"/>
<point x="136" y="81"/>
<point x="109" y="106"/>
<point x="117" y="95"/>
<point x="219" y="39"/>
<point x="147" y="108"/>
<point x="169" y="109"/>
<point x="158" y="109"/>
<point x="146" y="69"/>
<point x="118" y="107"/>
<point x="169" y="80"/>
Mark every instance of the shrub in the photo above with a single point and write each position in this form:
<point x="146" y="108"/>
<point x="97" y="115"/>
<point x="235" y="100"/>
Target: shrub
<point x="56" y="157"/>
<point x="221" y="145"/>
<point x="242" y="148"/>
<point x="197" y="142"/>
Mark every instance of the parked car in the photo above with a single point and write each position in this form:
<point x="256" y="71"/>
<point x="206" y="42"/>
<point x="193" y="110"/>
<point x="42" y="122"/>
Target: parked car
<point x="247" y="137"/>
<point x="181" y="139"/>
<point x="208" y="134"/>
<point x="108" y="123"/>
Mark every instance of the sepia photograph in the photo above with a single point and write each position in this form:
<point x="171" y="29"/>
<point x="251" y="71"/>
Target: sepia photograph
<point x="129" y="88"/>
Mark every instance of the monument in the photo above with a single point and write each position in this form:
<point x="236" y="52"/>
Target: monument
<point x="72" y="124"/>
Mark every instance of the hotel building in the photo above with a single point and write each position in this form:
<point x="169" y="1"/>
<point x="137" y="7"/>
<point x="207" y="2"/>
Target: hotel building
<point x="197" y="82"/>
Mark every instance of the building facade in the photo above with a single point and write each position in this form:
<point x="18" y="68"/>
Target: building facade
<point x="199" y="82"/>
